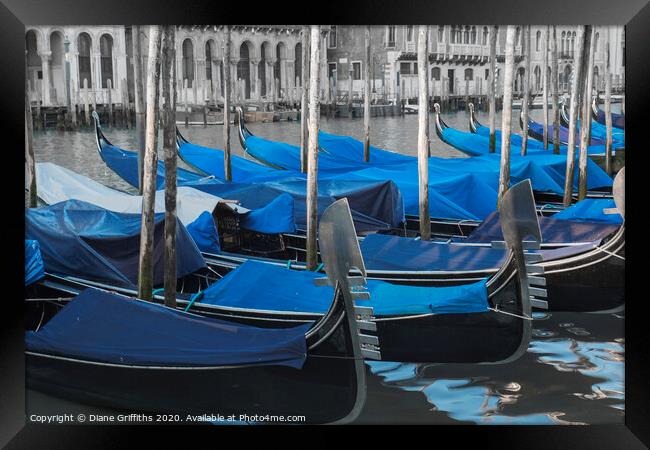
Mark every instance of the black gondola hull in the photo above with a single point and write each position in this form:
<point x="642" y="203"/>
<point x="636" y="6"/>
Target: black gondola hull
<point x="324" y="390"/>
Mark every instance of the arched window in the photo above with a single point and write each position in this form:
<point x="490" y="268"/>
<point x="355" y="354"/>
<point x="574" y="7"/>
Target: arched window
<point x="441" y="33"/>
<point x="106" y="52"/>
<point x="466" y="36"/>
<point x="573" y="43"/>
<point x="435" y="73"/>
<point x="452" y="35"/>
<point x="538" y="38"/>
<point x="518" y="36"/>
<point x="469" y="74"/>
<point x="485" y="35"/>
<point x="596" y="42"/>
<point x="298" y="63"/>
<point x="83" y="47"/>
<point x="473" y="35"/>
<point x="188" y="62"/>
<point x="562" y="44"/>
<point x="208" y="61"/>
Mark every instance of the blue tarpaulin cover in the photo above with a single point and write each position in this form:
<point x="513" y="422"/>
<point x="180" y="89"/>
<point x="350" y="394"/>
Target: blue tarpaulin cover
<point x="384" y="252"/>
<point x="590" y="210"/>
<point x="83" y="240"/>
<point x="618" y="120"/>
<point x="205" y="234"/>
<point x="276" y="217"/>
<point x="105" y="327"/>
<point x="260" y="285"/>
<point x="350" y="148"/>
<point x="34" y="269"/>
<point x="553" y="231"/>
<point x="375" y="205"/>
<point x="545" y="170"/>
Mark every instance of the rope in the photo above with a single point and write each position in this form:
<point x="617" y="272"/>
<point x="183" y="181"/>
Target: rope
<point x="612" y="254"/>
<point x="157" y="291"/>
<point x="497" y="310"/>
<point x="288" y="264"/>
<point x="319" y="267"/>
<point x="193" y="299"/>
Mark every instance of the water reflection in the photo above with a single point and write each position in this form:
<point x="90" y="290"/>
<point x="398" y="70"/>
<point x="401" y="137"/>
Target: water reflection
<point x="584" y="384"/>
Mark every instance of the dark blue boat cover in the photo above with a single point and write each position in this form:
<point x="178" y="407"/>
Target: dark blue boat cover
<point x="274" y="218"/>
<point x="260" y="285"/>
<point x="590" y="210"/>
<point x="105" y="327"/>
<point x="375" y="205"/>
<point x="34" y="269"/>
<point x="384" y="252"/>
<point x="204" y="233"/>
<point x="600" y="131"/>
<point x="83" y="240"/>
<point x="515" y="139"/>
<point x="618" y="120"/>
<point x="553" y="231"/>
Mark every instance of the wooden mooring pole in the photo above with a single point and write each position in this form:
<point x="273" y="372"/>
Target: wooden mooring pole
<point x="492" y="87"/>
<point x="585" y="121"/>
<point x="304" y="99"/>
<point x="555" y="111"/>
<point x="608" y="109"/>
<point x="526" y="98"/>
<point x="86" y="102"/>
<point x="506" y="113"/>
<point x="126" y="107"/>
<point x="545" y="88"/>
<point x="423" y="133"/>
<point x="146" y="269"/>
<point x="312" y="160"/>
<point x="577" y="88"/>
<point x="110" y="103"/>
<point x="168" y="73"/>
<point x="366" y="100"/>
<point x="138" y="91"/>
<point x="227" y="167"/>
<point x="30" y="160"/>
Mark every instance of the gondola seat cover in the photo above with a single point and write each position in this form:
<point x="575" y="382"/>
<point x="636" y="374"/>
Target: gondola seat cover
<point x="84" y="240"/>
<point x="34" y="269"/>
<point x="553" y="231"/>
<point x="618" y="120"/>
<point x="590" y="210"/>
<point x="259" y="285"/>
<point x="105" y="327"/>
<point x="394" y="253"/>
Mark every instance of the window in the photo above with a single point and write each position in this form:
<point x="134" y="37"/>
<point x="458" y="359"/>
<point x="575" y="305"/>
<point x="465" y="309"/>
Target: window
<point x="469" y="74"/>
<point x="518" y="36"/>
<point x="297" y="63"/>
<point x="452" y="35"/>
<point x="415" y="68"/>
<point x="106" y="55"/>
<point x="83" y="46"/>
<point x="409" y="33"/>
<point x="473" y="35"/>
<point x="356" y="70"/>
<point x="405" y="68"/>
<point x="466" y="36"/>
<point x="435" y="73"/>
<point x="441" y="33"/>
<point x="390" y="36"/>
<point x="188" y="62"/>
<point x="538" y="38"/>
<point x="331" y="69"/>
<point x="331" y="41"/>
<point x="485" y="35"/>
<point x="208" y="62"/>
<point x="487" y="74"/>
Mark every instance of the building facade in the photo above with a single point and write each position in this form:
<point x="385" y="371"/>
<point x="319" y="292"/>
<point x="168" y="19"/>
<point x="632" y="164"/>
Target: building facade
<point x="458" y="58"/>
<point x="265" y="63"/>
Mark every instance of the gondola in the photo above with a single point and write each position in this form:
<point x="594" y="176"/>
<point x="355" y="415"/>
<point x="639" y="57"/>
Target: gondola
<point x="598" y="131"/>
<point x="497" y="331"/>
<point x="391" y="258"/>
<point x="106" y="349"/>
<point x="618" y="120"/>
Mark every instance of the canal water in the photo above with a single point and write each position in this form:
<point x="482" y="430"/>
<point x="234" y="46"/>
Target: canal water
<point x="573" y="372"/>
